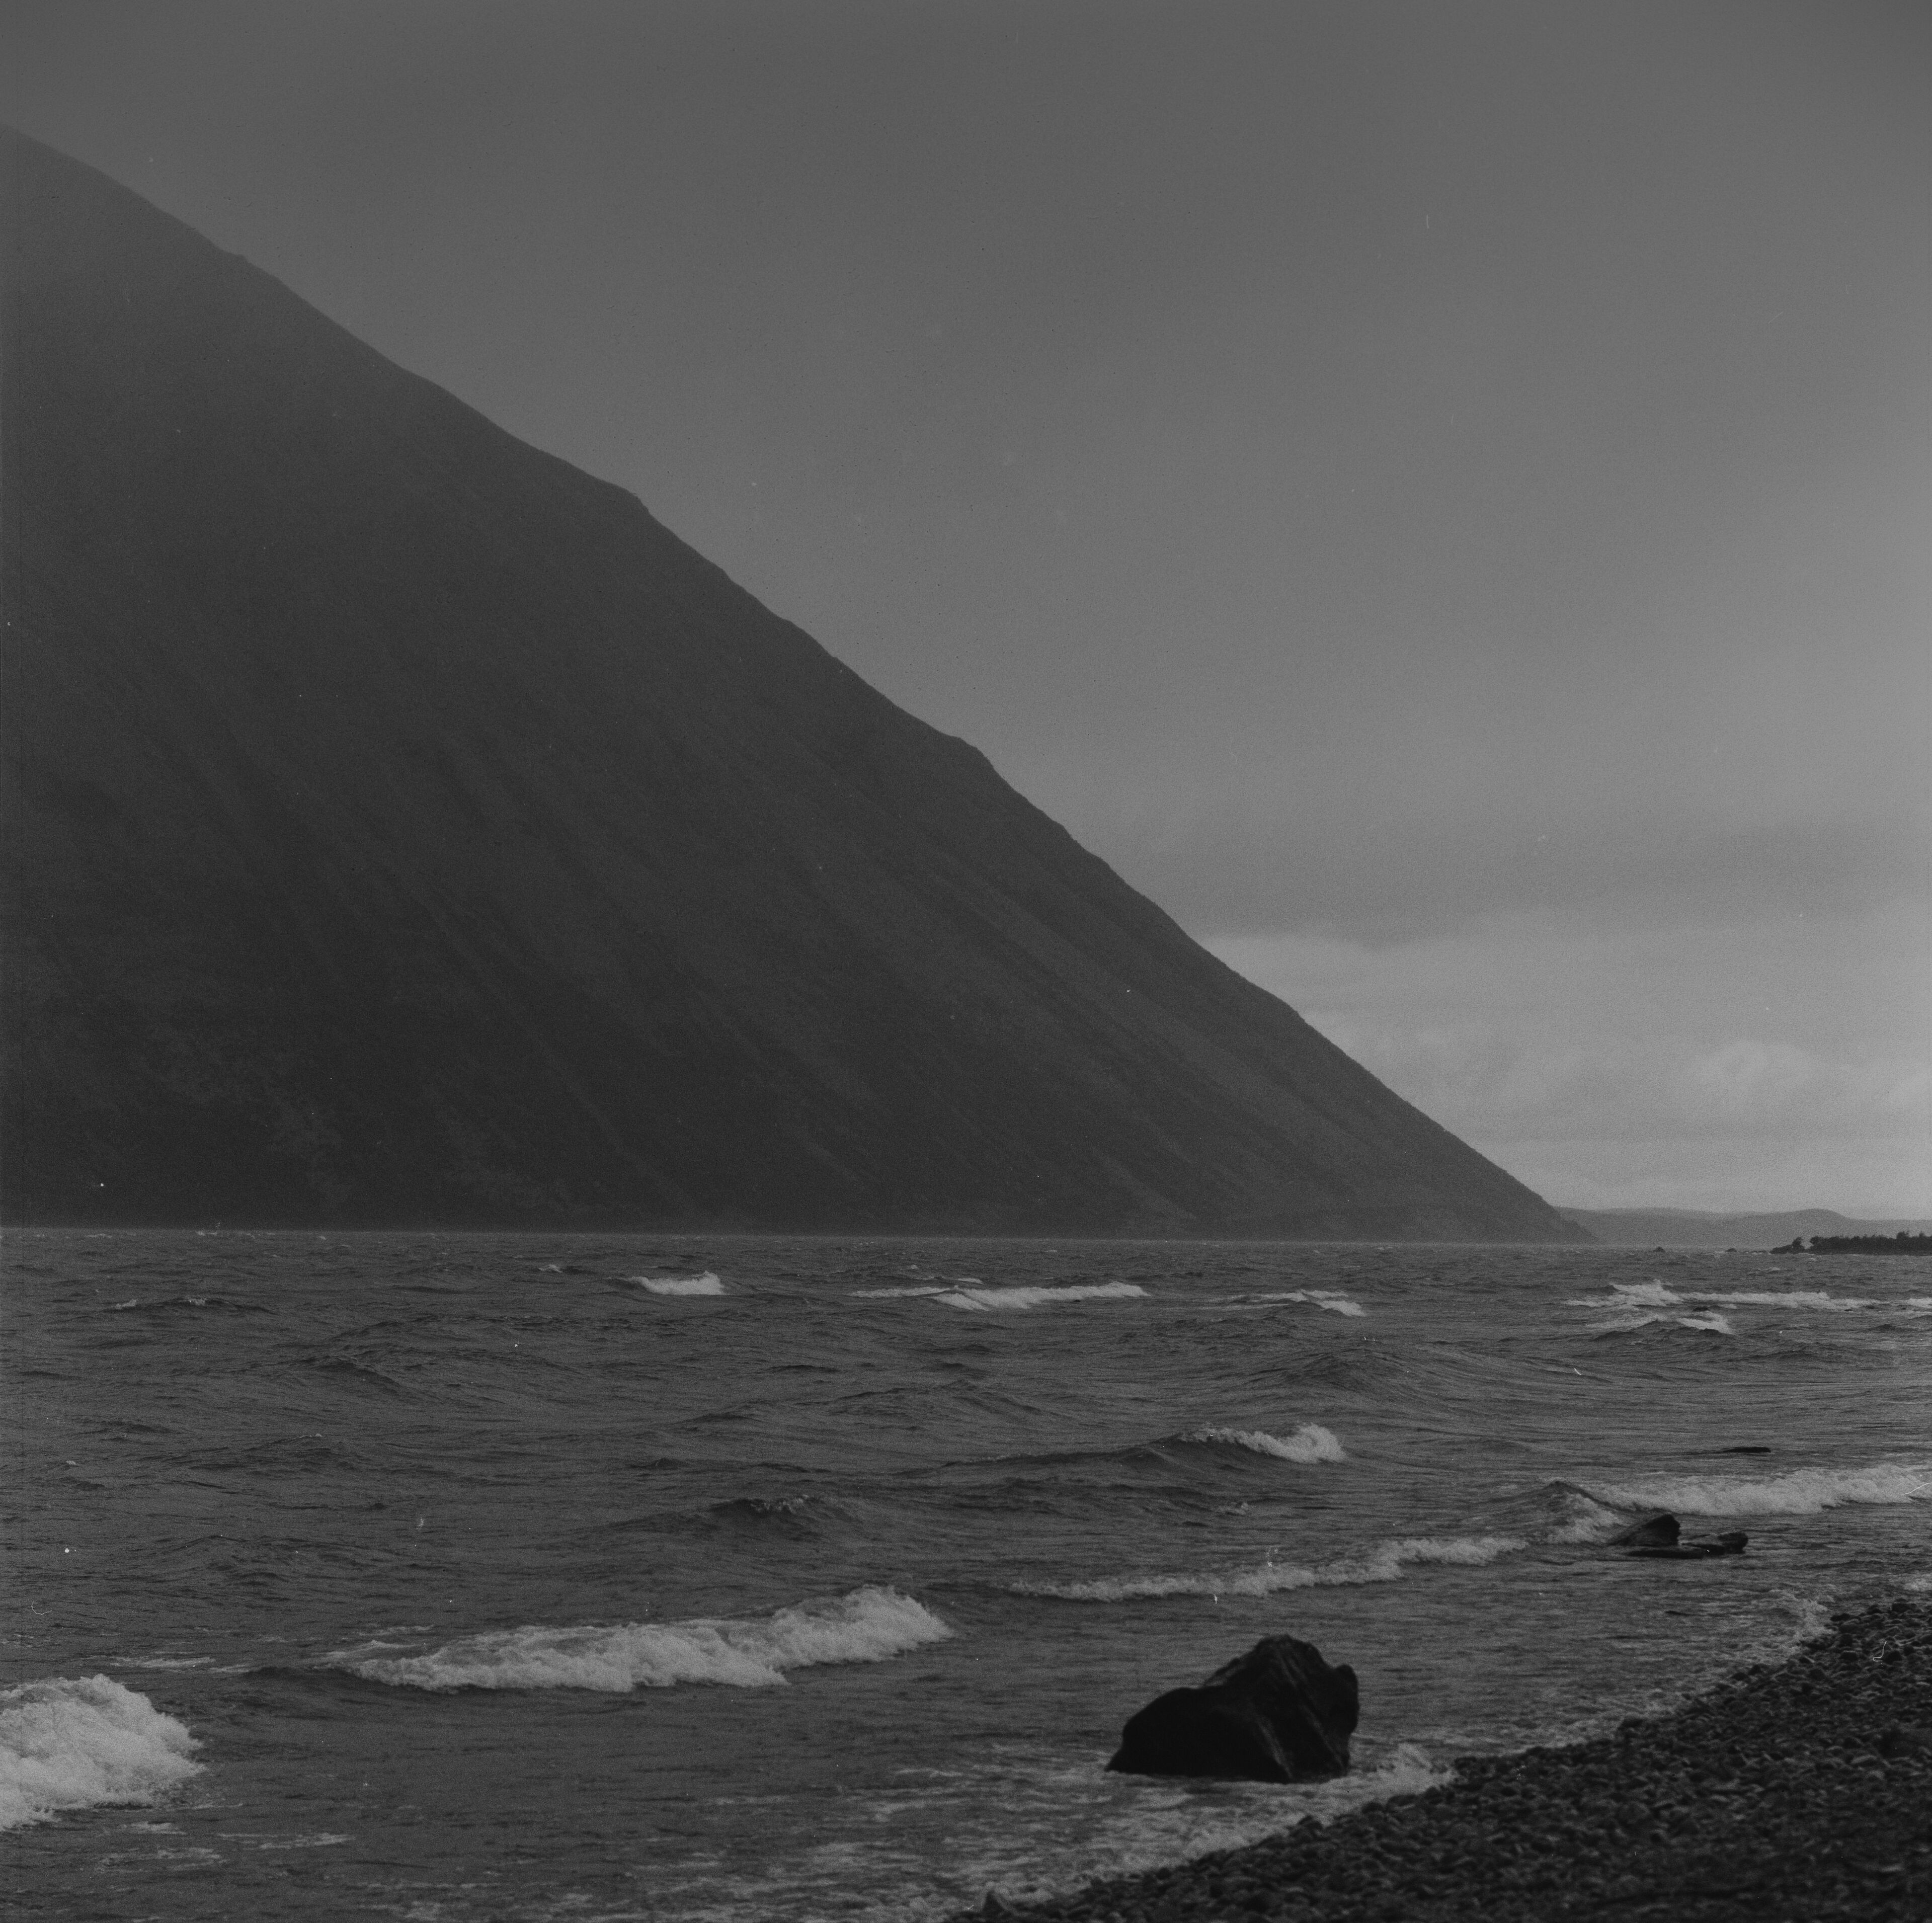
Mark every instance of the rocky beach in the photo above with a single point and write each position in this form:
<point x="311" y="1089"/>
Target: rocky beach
<point x="1802" y="1790"/>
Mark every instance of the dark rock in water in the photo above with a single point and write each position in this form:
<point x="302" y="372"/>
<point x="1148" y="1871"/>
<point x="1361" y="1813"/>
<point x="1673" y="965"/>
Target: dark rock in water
<point x="1730" y="1544"/>
<point x="1278" y="1714"/>
<point x="1658" y="1531"/>
<point x="405" y="827"/>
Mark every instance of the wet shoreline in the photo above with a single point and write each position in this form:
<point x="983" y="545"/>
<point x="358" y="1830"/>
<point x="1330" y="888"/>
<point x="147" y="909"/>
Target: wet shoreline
<point x="1802" y="1790"/>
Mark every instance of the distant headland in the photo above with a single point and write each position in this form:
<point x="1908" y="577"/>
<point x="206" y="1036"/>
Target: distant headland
<point x="1697" y="1229"/>
<point x="1901" y="1244"/>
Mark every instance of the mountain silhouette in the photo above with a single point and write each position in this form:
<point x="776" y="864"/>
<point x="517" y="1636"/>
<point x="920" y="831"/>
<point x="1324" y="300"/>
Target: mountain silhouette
<point x="404" y="828"/>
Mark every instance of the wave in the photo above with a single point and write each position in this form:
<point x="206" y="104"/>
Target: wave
<point x="1310" y="1443"/>
<point x="1655" y="1294"/>
<point x="1330" y="1299"/>
<point x="1037" y="1297"/>
<point x="1707" y="1320"/>
<point x="1384" y="1563"/>
<point x="1800" y="1493"/>
<point x="1589" y="1521"/>
<point x="222" y="1305"/>
<point x="706" y="1284"/>
<point x="866" y="1626"/>
<point x="1786" y="1298"/>
<point x="74" y="1744"/>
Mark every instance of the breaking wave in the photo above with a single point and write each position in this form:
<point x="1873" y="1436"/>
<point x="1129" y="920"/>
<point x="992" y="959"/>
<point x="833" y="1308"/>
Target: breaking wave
<point x="74" y="1744"/>
<point x="1708" y="1320"/>
<point x="1587" y="1520"/>
<point x="1801" y="1492"/>
<point x="866" y="1626"/>
<point x="1310" y="1443"/>
<point x="1626" y="1296"/>
<point x="1384" y="1563"/>
<point x="1042" y="1298"/>
<point x="706" y="1284"/>
<point x="1330" y="1299"/>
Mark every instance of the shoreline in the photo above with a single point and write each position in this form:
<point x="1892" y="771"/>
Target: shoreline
<point x="1800" y="1790"/>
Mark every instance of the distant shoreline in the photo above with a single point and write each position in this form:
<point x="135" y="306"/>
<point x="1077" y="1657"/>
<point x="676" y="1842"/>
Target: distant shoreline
<point x="1771" y="1797"/>
<point x="1901" y="1244"/>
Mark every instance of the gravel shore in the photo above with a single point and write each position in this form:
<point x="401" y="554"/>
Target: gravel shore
<point x="1801" y="1792"/>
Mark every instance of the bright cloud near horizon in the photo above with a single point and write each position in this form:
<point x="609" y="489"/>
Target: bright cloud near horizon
<point x="1436" y="495"/>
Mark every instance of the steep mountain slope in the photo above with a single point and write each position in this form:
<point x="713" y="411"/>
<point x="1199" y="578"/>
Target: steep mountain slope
<point x="405" y="827"/>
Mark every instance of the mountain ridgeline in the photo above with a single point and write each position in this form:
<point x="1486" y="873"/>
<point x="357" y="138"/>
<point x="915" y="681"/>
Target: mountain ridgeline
<point x="404" y="828"/>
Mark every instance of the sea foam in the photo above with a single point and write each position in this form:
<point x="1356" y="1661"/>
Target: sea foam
<point x="867" y="1625"/>
<point x="1625" y="1320"/>
<point x="1310" y="1443"/>
<point x="1333" y="1300"/>
<point x="706" y="1284"/>
<point x="72" y="1744"/>
<point x="1800" y="1493"/>
<point x="1384" y="1563"/>
<point x="1041" y="1297"/>
<point x="1627" y="1296"/>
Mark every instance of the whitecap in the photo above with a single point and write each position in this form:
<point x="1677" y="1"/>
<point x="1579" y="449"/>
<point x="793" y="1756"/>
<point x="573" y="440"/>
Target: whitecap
<point x="72" y="1744"/>
<point x="1590" y="1521"/>
<point x="1041" y="1297"/>
<point x="1708" y="1320"/>
<point x="1799" y="1492"/>
<point x="1630" y="1296"/>
<point x="918" y="1289"/>
<point x="1785" y="1298"/>
<point x="1384" y="1563"/>
<point x="706" y="1284"/>
<point x="1330" y="1299"/>
<point x="1651" y="1294"/>
<point x="1310" y="1443"/>
<point x="867" y="1625"/>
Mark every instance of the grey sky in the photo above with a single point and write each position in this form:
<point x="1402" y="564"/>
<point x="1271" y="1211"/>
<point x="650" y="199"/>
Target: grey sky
<point x="1436" y="494"/>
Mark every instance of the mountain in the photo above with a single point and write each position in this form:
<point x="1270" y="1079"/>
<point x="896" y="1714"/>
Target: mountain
<point x="1698" y="1229"/>
<point x="405" y="828"/>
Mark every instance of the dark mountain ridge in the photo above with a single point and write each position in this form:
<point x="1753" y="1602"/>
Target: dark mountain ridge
<point x="405" y="828"/>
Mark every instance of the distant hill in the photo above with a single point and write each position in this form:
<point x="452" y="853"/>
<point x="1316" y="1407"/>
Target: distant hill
<point x="1693" y="1229"/>
<point x="405" y="828"/>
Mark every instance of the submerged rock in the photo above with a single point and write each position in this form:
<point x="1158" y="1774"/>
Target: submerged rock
<point x="1732" y="1543"/>
<point x="1278" y="1714"/>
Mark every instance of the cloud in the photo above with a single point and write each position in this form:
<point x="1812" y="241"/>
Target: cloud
<point x="1772" y="1063"/>
<point x="1225" y="870"/>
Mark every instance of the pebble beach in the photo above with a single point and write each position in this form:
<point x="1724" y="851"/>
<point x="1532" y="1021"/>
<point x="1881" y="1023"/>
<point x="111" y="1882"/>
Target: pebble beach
<point x="1798" y="1791"/>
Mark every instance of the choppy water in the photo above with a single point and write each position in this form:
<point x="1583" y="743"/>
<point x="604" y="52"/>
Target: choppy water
<point x="462" y="1576"/>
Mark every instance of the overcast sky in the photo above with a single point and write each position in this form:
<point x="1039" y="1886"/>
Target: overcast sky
<point x="1438" y="495"/>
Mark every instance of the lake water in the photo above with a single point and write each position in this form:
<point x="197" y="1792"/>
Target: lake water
<point x="458" y="1577"/>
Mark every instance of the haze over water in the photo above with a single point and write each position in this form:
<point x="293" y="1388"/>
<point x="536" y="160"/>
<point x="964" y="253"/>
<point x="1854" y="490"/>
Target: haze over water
<point x="457" y="1577"/>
